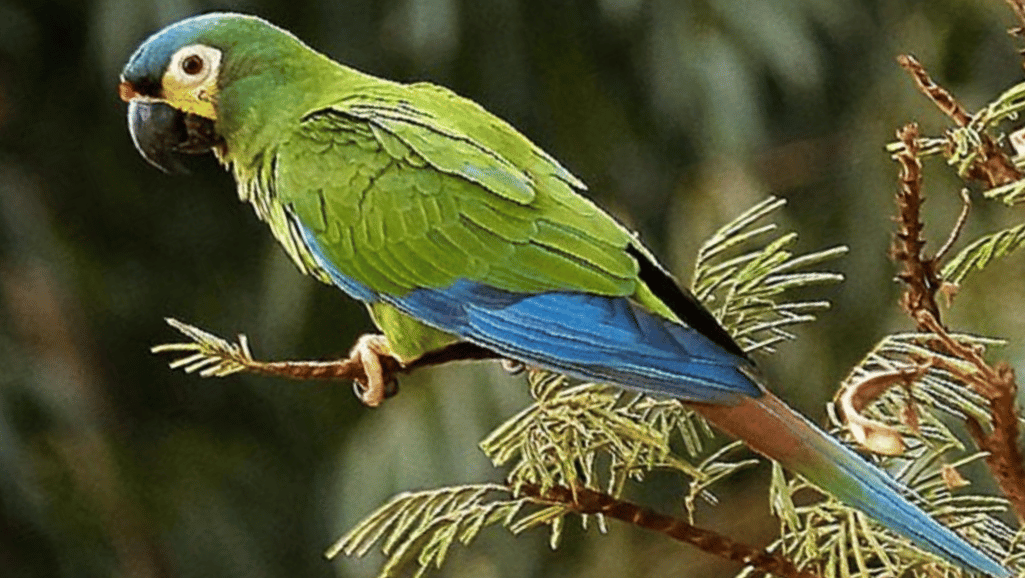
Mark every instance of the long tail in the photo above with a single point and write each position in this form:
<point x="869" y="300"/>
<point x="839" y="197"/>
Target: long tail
<point x="771" y="428"/>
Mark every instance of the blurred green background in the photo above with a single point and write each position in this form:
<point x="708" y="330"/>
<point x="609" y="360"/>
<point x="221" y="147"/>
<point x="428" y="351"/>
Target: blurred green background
<point x="678" y="115"/>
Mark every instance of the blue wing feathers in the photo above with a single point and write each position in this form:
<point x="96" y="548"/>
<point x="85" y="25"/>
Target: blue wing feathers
<point x="589" y="336"/>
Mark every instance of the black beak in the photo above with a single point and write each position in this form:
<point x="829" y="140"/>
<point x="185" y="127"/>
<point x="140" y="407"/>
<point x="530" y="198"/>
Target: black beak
<point x="162" y="133"/>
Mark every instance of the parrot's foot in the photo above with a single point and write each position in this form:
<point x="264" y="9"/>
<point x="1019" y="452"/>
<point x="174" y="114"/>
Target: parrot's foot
<point x="379" y="364"/>
<point x="513" y="367"/>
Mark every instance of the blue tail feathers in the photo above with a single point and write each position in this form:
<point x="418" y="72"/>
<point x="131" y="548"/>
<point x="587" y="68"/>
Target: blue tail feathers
<point x="771" y="428"/>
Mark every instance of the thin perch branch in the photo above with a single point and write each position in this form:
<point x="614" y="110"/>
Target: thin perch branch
<point x="211" y="356"/>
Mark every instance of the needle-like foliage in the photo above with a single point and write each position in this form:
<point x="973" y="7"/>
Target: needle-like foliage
<point x="982" y="251"/>
<point x="419" y="528"/>
<point x="745" y="291"/>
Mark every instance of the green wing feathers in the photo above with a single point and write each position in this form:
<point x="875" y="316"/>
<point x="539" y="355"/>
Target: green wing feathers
<point x="407" y="202"/>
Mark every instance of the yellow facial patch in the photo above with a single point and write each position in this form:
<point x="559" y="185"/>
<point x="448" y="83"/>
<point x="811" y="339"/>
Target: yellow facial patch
<point x="200" y="101"/>
<point x="190" y="82"/>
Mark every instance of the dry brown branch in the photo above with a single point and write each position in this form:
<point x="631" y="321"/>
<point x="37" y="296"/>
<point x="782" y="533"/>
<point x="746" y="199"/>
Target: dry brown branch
<point x="586" y="501"/>
<point x="936" y="93"/>
<point x="995" y="383"/>
<point x="918" y="274"/>
<point x="992" y="166"/>
<point x="998" y="385"/>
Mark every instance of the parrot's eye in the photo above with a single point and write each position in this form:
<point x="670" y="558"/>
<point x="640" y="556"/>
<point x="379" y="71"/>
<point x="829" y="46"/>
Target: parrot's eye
<point x="192" y="65"/>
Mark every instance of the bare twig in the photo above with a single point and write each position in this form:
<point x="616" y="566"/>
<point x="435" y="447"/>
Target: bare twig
<point x="955" y="233"/>
<point x="586" y="501"/>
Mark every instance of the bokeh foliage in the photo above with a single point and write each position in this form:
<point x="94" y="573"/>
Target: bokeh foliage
<point x="677" y="114"/>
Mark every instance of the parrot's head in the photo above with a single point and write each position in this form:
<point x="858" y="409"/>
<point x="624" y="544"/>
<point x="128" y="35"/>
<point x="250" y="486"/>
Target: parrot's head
<point x="183" y="83"/>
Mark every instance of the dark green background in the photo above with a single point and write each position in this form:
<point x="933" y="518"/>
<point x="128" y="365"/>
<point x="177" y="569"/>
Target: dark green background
<point x="677" y="114"/>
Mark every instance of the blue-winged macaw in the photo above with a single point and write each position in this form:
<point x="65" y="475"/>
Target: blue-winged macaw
<point x="453" y="228"/>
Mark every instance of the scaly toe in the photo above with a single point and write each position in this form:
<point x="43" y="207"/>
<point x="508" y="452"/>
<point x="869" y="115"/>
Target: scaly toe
<point x="371" y="350"/>
<point x="513" y="367"/>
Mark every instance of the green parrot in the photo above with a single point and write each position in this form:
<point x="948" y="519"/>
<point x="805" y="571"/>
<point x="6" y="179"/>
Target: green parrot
<point x="459" y="234"/>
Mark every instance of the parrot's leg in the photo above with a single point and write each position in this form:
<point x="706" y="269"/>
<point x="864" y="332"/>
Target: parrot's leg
<point x="380" y="364"/>
<point x="375" y="353"/>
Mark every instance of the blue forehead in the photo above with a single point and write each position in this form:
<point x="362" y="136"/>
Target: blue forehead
<point x="151" y="58"/>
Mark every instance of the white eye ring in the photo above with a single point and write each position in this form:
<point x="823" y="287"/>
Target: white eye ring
<point x="194" y="64"/>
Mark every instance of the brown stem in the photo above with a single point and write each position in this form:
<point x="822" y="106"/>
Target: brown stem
<point x="917" y="272"/>
<point x="998" y="385"/>
<point x="936" y="93"/>
<point x="336" y="369"/>
<point x="352" y="368"/>
<point x="586" y="501"/>
<point x="959" y="225"/>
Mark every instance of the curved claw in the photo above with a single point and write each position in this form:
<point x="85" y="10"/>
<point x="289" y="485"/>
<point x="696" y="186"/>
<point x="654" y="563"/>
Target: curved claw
<point x="513" y="367"/>
<point x="365" y="394"/>
<point x="379" y="366"/>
